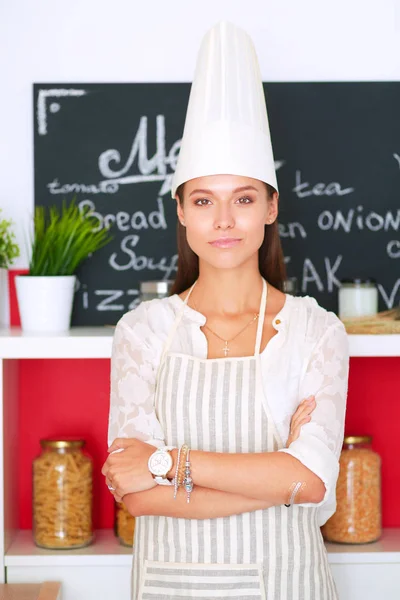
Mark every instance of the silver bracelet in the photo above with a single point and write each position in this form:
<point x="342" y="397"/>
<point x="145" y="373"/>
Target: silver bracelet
<point x="188" y="481"/>
<point x="294" y="492"/>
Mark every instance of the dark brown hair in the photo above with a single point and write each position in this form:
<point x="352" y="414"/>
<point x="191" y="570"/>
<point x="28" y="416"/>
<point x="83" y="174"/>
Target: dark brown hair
<point x="270" y="255"/>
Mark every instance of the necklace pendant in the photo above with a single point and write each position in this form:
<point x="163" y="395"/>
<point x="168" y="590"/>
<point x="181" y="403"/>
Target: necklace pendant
<point x="225" y="348"/>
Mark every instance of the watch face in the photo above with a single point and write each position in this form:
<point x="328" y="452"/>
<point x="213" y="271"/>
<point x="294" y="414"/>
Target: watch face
<point x="160" y="463"/>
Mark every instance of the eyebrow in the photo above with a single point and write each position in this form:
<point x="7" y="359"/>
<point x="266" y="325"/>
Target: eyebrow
<point x="244" y="188"/>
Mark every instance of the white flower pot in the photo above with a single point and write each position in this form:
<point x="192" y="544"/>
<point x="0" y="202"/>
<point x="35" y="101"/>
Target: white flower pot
<point x="45" y="303"/>
<point x="4" y="299"/>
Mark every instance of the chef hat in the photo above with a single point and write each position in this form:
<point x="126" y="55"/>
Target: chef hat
<point x="226" y="129"/>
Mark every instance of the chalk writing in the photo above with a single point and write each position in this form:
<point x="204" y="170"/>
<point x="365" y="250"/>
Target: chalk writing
<point x="319" y="189"/>
<point x="104" y="187"/>
<point x="354" y="219"/>
<point x="139" y="149"/>
<point x="290" y="230"/>
<point x="311" y="275"/>
<point x="125" y="221"/>
<point x="168" y="265"/>
<point x="393" y="249"/>
<point x="41" y="109"/>
<point x="112" y="300"/>
<point x="389" y="299"/>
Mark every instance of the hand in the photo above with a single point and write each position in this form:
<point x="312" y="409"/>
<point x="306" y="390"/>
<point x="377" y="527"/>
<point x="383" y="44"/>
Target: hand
<point x="126" y="470"/>
<point x="300" y="417"/>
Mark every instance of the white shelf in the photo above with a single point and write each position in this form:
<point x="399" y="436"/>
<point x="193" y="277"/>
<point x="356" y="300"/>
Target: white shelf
<point x="96" y="342"/>
<point x="78" y="342"/>
<point x="385" y="550"/>
<point x="374" y="345"/>
<point x="107" y="551"/>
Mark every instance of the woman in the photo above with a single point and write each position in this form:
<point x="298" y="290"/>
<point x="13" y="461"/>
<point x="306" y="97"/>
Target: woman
<point x="213" y="374"/>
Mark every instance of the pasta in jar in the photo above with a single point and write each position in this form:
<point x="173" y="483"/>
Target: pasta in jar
<point x="62" y="495"/>
<point x="124" y="524"/>
<point x="357" y="519"/>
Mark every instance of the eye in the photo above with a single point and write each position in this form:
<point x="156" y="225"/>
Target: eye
<point x="202" y="202"/>
<point x="244" y="200"/>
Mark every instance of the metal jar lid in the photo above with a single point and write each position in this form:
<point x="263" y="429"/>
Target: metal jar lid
<point x="290" y="286"/>
<point x="367" y="281"/>
<point x="357" y="439"/>
<point x="62" y="443"/>
<point x="155" y="287"/>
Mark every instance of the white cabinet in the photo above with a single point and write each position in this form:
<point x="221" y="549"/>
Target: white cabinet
<point x="368" y="571"/>
<point x="103" y="570"/>
<point x="367" y="582"/>
<point x="79" y="582"/>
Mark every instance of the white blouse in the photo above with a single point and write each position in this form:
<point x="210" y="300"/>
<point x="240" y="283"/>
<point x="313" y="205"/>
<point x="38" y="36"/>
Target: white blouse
<point x="308" y="356"/>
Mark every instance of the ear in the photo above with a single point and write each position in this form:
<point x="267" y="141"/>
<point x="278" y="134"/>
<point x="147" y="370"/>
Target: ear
<point x="272" y="213"/>
<point x="179" y="211"/>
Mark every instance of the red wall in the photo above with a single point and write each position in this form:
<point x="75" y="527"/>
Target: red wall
<point x="373" y="408"/>
<point x="71" y="397"/>
<point x="64" y="398"/>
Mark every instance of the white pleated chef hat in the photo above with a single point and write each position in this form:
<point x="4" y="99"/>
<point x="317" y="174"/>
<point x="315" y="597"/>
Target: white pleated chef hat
<point x="226" y="128"/>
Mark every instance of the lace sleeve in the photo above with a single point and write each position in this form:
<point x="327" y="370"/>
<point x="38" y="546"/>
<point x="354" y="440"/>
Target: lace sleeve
<point x="319" y="444"/>
<point x="134" y="364"/>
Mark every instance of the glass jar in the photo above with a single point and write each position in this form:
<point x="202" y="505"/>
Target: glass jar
<point x="357" y="298"/>
<point x="357" y="519"/>
<point x="62" y="495"/>
<point x="149" y="290"/>
<point x="124" y="525"/>
<point x="290" y="286"/>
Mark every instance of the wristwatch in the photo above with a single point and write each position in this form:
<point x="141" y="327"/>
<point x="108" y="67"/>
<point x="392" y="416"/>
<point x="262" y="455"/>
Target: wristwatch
<point x="160" y="463"/>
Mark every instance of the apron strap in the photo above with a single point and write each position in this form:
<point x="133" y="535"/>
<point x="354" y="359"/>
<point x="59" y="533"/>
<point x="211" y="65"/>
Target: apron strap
<point x="175" y="325"/>
<point x="179" y="316"/>
<point x="261" y="318"/>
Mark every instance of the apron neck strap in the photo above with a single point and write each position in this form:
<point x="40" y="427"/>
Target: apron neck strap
<point x="176" y="324"/>
<point x="261" y="318"/>
<point x="260" y="325"/>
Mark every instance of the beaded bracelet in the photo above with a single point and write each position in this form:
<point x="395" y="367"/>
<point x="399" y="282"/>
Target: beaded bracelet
<point x="188" y="481"/>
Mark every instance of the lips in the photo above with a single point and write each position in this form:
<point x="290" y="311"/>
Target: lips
<point x="225" y="242"/>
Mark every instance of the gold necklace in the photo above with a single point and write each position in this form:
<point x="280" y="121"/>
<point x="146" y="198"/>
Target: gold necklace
<point x="226" y="349"/>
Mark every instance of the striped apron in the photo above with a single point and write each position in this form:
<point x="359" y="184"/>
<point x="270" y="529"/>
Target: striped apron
<point x="218" y="405"/>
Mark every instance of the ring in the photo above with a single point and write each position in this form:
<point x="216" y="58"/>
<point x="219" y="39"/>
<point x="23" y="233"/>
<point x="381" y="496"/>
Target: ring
<point x="111" y="488"/>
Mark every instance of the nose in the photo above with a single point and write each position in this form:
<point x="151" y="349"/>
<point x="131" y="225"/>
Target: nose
<point x="224" y="218"/>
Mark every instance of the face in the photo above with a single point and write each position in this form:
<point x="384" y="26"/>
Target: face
<point x="224" y="216"/>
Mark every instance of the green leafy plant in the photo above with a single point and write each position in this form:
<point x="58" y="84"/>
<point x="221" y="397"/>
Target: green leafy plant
<point x="8" y="248"/>
<point x="63" y="239"/>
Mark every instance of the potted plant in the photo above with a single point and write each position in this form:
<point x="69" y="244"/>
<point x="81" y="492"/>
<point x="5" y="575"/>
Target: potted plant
<point x="62" y="239"/>
<point x="8" y="252"/>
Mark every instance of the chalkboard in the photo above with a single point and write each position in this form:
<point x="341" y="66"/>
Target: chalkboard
<point x="337" y="153"/>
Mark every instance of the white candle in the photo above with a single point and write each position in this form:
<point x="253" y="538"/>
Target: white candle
<point x="358" y="298"/>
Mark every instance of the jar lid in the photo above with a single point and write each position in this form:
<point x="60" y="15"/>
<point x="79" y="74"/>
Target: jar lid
<point x="357" y="439"/>
<point x="359" y="280"/>
<point x="62" y="443"/>
<point x="290" y="285"/>
<point x="155" y="287"/>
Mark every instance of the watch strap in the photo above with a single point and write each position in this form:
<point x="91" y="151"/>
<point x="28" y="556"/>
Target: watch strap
<point x="163" y="480"/>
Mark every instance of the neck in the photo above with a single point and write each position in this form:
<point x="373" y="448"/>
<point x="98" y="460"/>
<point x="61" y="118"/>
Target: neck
<point x="228" y="292"/>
